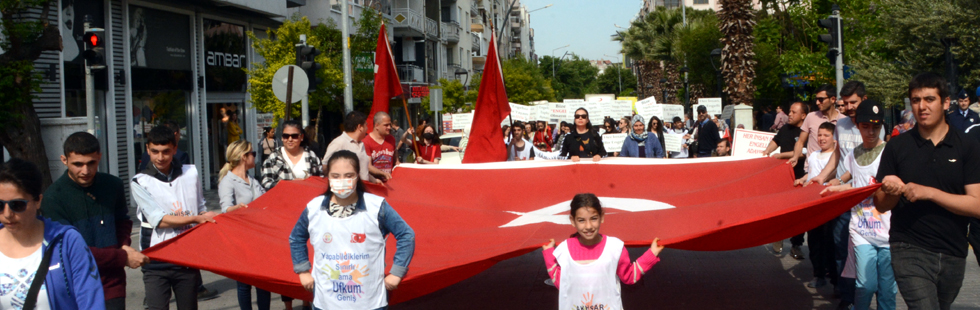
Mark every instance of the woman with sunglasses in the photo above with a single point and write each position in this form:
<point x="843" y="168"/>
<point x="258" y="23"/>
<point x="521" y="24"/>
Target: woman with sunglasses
<point x="31" y="244"/>
<point x="583" y="141"/>
<point x="235" y="190"/>
<point x="292" y="161"/>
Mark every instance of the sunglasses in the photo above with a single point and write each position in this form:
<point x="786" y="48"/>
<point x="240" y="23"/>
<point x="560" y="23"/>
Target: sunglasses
<point x="581" y="116"/>
<point x="294" y="136"/>
<point x="16" y="205"/>
<point x="821" y="98"/>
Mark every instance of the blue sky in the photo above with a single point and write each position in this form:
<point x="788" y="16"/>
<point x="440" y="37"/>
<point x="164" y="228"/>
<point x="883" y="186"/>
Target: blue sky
<point x="585" y="24"/>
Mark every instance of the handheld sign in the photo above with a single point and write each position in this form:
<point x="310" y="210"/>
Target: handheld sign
<point x="559" y="112"/>
<point x="712" y="104"/>
<point x="647" y="107"/>
<point x="596" y="112"/>
<point x="750" y="143"/>
<point x="620" y="108"/>
<point x="520" y="112"/>
<point x="672" y="142"/>
<point x="462" y="121"/>
<point x="613" y="142"/>
<point x="672" y="110"/>
<point x="727" y="112"/>
<point x="542" y="112"/>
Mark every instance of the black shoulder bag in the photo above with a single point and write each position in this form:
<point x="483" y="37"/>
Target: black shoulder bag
<point x="42" y="272"/>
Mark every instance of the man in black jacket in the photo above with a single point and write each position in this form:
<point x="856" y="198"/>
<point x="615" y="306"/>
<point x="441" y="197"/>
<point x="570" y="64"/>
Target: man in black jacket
<point x="707" y="133"/>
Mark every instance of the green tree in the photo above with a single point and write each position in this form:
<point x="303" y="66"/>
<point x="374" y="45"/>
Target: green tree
<point x="609" y="81"/>
<point x="22" y="40"/>
<point x="525" y="82"/>
<point x="573" y="77"/>
<point x="455" y="99"/>
<point x="279" y="50"/>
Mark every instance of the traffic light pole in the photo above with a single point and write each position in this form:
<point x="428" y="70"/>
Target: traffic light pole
<point x="345" y="42"/>
<point x="89" y="92"/>
<point x="839" y="65"/>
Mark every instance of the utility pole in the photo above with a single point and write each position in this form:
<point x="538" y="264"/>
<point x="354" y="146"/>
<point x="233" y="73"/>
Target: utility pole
<point x="345" y="33"/>
<point x="94" y="55"/>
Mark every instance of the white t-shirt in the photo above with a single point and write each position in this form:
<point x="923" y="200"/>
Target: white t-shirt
<point x="300" y="168"/>
<point x="848" y="136"/>
<point x="683" y="152"/>
<point x="868" y="226"/>
<point x="817" y="162"/>
<point x="16" y="276"/>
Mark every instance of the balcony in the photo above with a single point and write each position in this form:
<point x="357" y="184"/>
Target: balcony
<point x="515" y="24"/>
<point x="431" y="28"/>
<point x="408" y="19"/>
<point x="474" y="10"/>
<point x="475" y="40"/>
<point x="450" y="32"/>
<point x="476" y="27"/>
<point x="411" y="73"/>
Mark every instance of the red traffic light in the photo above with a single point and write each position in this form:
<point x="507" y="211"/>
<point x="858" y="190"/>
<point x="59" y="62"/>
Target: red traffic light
<point x="92" y="39"/>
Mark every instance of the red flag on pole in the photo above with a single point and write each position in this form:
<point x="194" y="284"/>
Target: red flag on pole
<point x="386" y="83"/>
<point x="486" y="142"/>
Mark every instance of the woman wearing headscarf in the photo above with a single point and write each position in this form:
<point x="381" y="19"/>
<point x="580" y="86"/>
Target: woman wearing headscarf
<point x="640" y="143"/>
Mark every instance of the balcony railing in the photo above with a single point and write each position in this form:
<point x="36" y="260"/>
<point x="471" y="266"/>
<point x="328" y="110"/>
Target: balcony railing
<point x="475" y="39"/>
<point x="408" y="18"/>
<point x="450" y="31"/>
<point x="411" y="73"/>
<point x="431" y="28"/>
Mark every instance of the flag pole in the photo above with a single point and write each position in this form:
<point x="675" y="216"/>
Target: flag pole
<point x="410" y="124"/>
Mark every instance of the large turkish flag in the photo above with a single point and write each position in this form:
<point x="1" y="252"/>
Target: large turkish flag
<point x="468" y="217"/>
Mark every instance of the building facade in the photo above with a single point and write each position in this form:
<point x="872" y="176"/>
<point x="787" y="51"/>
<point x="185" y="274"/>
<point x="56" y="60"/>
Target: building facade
<point x="176" y="61"/>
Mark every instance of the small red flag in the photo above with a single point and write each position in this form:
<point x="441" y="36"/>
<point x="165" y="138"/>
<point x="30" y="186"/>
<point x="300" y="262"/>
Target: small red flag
<point x="386" y="83"/>
<point x="486" y="141"/>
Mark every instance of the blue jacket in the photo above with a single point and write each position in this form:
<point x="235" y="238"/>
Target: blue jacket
<point x="388" y="221"/>
<point x="652" y="145"/>
<point x="73" y="277"/>
<point x="961" y="123"/>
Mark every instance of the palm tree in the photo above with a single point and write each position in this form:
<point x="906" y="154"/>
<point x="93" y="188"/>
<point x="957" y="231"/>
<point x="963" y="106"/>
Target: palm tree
<point x="736" y="19"/>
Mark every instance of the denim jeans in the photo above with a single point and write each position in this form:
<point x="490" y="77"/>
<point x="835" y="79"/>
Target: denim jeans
<point x="874" y="275"/>
<point x="927" y="280"/>
<point x="841" y="235"/>
<point x="263" y="298"/>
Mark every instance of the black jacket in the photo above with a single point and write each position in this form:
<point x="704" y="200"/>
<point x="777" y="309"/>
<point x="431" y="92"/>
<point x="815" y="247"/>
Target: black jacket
<point x="707" y="136"/>
<point x="583" y="145"/>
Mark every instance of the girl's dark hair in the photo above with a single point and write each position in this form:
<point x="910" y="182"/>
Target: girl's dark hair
<point x="435" y="134"/>
<point x="659" y="128"/>
<point x="352" y="159"/>
<point x="609" y="122"/>
<point x="564" y="124"/>
<point x="22" y="174"/>
<point x="586" y="200"/>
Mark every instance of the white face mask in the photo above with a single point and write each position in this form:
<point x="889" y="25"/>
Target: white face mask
<point x="343" y="188"/>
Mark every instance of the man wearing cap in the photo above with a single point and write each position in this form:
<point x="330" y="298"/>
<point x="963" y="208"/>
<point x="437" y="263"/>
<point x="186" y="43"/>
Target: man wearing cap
<point x="930" y="180"/>
<point x="962" y="117"/>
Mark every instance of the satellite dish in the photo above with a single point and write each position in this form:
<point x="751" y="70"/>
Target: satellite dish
<point x="301" y="84"/>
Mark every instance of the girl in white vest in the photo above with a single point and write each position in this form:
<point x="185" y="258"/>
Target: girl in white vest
<point x="347" y="228"/>
<point x="588" y="267"/>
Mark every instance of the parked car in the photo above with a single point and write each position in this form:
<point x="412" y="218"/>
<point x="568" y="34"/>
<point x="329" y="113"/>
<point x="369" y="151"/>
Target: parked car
<point x="453" y="147"/>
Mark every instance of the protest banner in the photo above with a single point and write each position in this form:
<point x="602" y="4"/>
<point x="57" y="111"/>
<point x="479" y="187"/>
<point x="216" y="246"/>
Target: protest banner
<point x="750" y="143"/>
<point x="712" y="104"/>
<point x="559" y="112"/>
<point x="462" y="121"/>
<point x="672" y="142"/>
<point x="727" y="112"/>
<point x="447" y="122"/>
<point x="263" y="120"/>
<point x="542" y="112"/>
<point x="648" y="108"/>
<point x="596" y="112"/>
<point x="613" y="142"/>
<point x="520" y="112"/>
<point x="620" y="108"/>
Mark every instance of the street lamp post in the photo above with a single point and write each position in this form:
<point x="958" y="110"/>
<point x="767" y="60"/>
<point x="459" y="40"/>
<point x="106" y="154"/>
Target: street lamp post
<point x="663" y="87"/>
<point x="716" y="53"/>
<point x="619" y="72"/>
<point x="553" y="60"/>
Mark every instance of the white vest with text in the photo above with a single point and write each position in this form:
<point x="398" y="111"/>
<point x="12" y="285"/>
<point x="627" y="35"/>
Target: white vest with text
<point x="349" y="257"/>
<point x="592" y="286"/>
<point x="179" y="197"/>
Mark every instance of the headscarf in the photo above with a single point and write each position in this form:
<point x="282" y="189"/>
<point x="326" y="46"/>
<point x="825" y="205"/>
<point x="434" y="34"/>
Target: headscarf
<point x="640" y="139"/>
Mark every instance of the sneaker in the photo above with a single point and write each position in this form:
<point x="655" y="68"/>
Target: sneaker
<point x="817" y="282"/>
<point x="796" y="252"/>
<point x="777" y="247"/>
<point x="204" y="293"/>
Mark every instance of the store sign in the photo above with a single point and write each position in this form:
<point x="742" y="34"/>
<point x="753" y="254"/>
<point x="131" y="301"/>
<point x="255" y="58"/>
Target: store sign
<point x="225" y="50"/>
<point x="159" y="39"/>
<point x="419" y="91"/>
